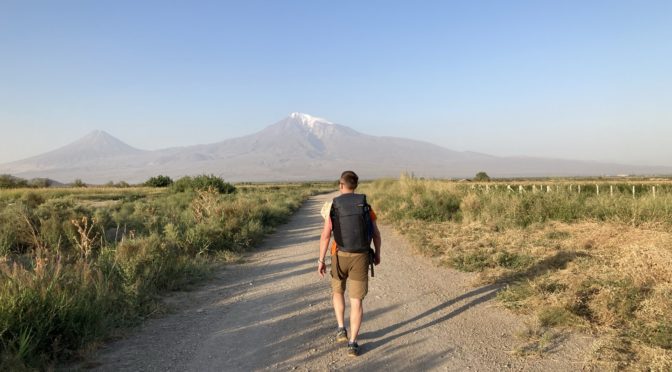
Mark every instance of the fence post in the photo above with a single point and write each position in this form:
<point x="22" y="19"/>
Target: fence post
<point x="520" y="189"/>
<point x="611" y="190"/>
<point x="579" y="189"/>
<point x="548" y="188"/>
<point x="633" y="191"/>
<point x="654" y="191"/>
<point x="597" y="188"/>
<point x="508" y="187"/>
<point x="570" y="187"/>
<point x="487" y="188"/>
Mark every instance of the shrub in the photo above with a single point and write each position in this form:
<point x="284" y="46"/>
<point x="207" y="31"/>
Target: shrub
<point x="40" y="182"/>
<point x="159" y="181"/>
<point x="11" y="182"/>
<point x="203" y="182"/>
<point x="436" y="207"/>
<point x="481" y="177"/>
<point x="32" y="200"/>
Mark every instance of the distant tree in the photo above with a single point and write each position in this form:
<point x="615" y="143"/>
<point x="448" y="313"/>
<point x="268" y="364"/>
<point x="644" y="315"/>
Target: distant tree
<point x="122" y="184"/>
<point x="11" y="182"/>
<point x="78" y="183"/>
<point x="159" y="181"/>
<point x="40" y="182"/>
<point x="482" y="177"/>
<point x="109" y="184"/>
<point x="6" y="181"/>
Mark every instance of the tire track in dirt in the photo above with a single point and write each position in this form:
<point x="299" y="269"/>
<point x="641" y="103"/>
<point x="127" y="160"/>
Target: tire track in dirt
<point x="272" y="312"/>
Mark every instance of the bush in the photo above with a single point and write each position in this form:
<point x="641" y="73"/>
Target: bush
<point x="11" y="182"/>
<point x="435" y="206"/>
<point x="482" y="177"/>
<point x="203" y="182"/>
<point x="40" y="182"/>
<point x="159" y="181"/>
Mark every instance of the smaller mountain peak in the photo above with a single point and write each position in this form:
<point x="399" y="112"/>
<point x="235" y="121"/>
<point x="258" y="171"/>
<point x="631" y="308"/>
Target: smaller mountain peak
<point x="308" y="120"/>
<point x="99" y="140"/>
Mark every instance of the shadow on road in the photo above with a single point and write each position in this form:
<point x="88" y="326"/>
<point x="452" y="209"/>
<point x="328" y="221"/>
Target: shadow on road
<point x="479" y="296"/>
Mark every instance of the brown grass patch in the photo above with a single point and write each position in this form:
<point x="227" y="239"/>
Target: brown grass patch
<point x="603" y="278"/>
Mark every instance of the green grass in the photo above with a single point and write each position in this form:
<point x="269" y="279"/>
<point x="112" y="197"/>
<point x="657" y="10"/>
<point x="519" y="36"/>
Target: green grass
<point x="76" y="264"/>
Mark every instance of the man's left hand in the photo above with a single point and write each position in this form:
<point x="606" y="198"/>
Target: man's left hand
<point x="321" y="269"/>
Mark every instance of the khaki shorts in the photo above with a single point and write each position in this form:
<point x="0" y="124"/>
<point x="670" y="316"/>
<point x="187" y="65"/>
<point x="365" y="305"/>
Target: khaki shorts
<point x="354" y="268"/>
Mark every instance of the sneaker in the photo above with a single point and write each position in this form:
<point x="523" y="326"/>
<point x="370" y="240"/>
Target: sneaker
<point x="353" y="349"/>
<point x="341" y="335"/>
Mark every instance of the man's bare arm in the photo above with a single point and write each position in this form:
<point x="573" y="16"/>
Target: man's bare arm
<point x="377" y="242"/>
<point x="325" y="237"/>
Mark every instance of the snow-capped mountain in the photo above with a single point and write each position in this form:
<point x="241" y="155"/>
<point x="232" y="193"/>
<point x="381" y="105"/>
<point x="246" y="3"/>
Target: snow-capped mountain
<point x="298" y="147"/>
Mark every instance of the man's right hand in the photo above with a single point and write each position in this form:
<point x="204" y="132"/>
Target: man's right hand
<point x="321" y="269"/>
<point x="376" y="259"/>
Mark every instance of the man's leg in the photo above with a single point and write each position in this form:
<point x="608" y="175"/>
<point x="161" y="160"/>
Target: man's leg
<point x="359" y="287"/>
<point x="339" y="308"/>
<point x="356" y="313"/>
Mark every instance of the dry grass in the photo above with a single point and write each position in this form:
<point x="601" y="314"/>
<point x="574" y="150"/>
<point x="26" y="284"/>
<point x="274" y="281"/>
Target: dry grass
<point x="611" y="278"/>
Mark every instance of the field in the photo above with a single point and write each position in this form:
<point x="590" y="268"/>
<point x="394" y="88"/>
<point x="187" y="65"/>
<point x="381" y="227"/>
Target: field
<point x="572" y="258"/>
<point x="80" y="264"/>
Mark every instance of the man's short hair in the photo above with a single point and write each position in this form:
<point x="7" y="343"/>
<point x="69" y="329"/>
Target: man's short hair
<point x="349" y="179"/>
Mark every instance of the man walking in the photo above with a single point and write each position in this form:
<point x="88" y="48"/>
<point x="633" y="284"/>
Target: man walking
<point x="353" y="224"/>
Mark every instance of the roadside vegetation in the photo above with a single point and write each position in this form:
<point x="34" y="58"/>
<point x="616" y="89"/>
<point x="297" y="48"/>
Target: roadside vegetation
<point x="596" y="261"/>
<point x="79" y="264"/>
<point x="10" y="182"/>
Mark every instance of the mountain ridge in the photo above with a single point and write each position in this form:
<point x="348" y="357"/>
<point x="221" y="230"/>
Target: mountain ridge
<point x="298" y="147"/>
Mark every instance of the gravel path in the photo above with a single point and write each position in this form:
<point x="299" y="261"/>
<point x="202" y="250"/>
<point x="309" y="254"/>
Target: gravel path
<point x="273" y="312"/>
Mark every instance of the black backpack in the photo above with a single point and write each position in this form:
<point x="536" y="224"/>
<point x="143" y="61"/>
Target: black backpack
<point x="351" y="223"/>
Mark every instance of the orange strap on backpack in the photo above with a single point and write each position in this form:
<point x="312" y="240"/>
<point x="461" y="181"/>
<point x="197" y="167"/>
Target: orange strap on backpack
<point x="334" y="249"/>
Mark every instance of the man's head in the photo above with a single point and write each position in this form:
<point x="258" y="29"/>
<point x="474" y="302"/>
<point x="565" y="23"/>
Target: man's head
<point x="348" y="181"/>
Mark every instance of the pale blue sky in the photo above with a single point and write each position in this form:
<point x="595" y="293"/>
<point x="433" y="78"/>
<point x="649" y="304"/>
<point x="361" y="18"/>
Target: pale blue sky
<point x="570" y="79"/>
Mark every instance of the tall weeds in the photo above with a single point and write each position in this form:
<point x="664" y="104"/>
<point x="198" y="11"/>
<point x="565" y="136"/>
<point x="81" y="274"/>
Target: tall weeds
<point x="75" y="266"/>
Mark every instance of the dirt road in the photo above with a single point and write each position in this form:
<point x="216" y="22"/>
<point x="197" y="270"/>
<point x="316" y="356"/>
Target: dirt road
<point x="273" y="312"/>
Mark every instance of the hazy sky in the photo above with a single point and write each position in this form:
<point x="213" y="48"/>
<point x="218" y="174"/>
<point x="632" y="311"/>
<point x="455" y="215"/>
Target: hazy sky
<point x="569" y="79"/>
